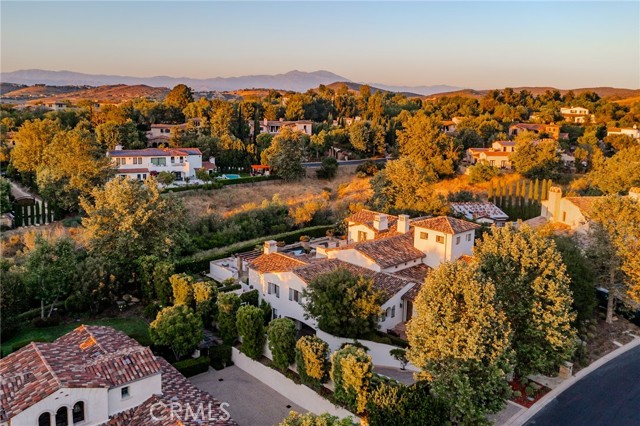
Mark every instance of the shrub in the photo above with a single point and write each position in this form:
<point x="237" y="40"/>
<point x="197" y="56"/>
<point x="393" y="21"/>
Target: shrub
<point x="177" y="327"/>
<point x="400" y="355"/>
<point x="517" y="394"/>
<point x="310" y="419"/>
<point x="192" y="366"/>
<point x="311" y="359"/>
<point x="530" y="391"/>
<point x="75" y="304"/>
<point x="351" y="372"/>
<point x="228" y="304"/>
<point x="398" y="405"/>
<point x="151" y="310"/>
<point x="250" y="298"/>
<point x="282" y="342"/>
<point x="220" y="356"/>
<point x="228" y="288"/>
<point x="368" y="168"/>
<point x="482" y="172"/>
<point x="328" y="169"/>
<point x="182" y="285"/>
<point x="45" y="322"/>
<point x="250" y="326"/>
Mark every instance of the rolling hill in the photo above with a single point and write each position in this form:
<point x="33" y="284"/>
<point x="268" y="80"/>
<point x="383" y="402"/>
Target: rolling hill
<point x="110" y="94"/>
<point x="612" y="93"/>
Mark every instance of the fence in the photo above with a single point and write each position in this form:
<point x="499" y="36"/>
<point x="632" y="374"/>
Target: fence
<point x="38" y="213"/>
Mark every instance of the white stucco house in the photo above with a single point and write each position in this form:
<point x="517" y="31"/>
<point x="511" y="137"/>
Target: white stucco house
<point x="395" y="251"/>
<point x="577" y="115"/>
<point x="94" y="375"/>
<point x="633" y="132"/>
<point x="485" y="213"/>
<point x="273" y="127"/>
<point x="142" y="163"/>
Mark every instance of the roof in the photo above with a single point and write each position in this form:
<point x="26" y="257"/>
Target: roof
<point x="505" y="143"/>
<point x="496" y="154"/>
<point x="390" y="251"/>
<point x="275" y="262"/>
<point x="478" y="149"/>
<point x="476" y="210"/>
<point x="167" y="126"/>
<point x="584" y="204"/>
<point x="208" y="165"/>
<point x="416" y="273"/>
<point x="528" y="126"/>
<point x="367" y="217"/>
<point x="129" y="170"/>
<point x="446" y="224"/>
<point x="87" y="357"/>
<point x="154" y="152"/>
<point x="413" y="292"/>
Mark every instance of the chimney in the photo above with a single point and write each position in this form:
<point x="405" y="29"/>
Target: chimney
<point x="380" y="222"/>
<point x="403" y="223"/>
<point x="118" y="147"/>
<point x="634" y="193"/>
<point x="270" y="247"/>
<point x="555" y="197"/>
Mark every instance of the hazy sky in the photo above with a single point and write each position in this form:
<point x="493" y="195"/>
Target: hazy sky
<point x="470" y="44"/>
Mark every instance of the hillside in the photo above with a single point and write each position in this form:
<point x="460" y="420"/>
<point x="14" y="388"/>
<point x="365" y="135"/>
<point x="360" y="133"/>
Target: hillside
<point x="355" y="88"/>
<point x="612" y="93"/>
<point x="41" y="91"/>
<point x="111" y="94"/>
<point x="9" y="87"/>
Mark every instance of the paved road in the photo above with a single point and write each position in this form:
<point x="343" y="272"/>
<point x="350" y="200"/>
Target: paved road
<point x="609" y="396"/>
<point x="348" y="162"/>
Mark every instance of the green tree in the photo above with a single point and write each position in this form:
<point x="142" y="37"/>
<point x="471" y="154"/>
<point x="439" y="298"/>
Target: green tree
<point x="111" y="134"/>
<point x="534" y="289"/>
<point x="179" y="97"/>
<point x="399" y="405"/>
<point x="228" y="304"/>
<point x="285" y="155"/>
<point x="182" y="285"/>
<point x="328" y="169"/>
<point x="177" y="327"/>
<point x="205" y="297"/>
<point x="619" y="173"/>
<point x="250" y="325"/>
<point x="282" y="342"/>
<point x="342" y="303"/>
<point x="166" y="178"/>
<point x="5" y="191"/>
<point x="351" y="372"/>
<point x="482" y="172"/>
<point x="203" y="175"/>
<point x="460" y="340"/>
<point x="31" y="140"/>
<point x="312" y="362"/>
<point x="537" y="159"/>
<point x="310" y="419"/>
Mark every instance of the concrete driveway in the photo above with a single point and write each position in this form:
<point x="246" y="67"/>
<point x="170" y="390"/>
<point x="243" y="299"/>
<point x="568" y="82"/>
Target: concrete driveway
<point x="251" y="403"/>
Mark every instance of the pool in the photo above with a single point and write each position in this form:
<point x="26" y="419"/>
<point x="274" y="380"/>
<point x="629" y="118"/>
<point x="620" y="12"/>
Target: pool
<point x="230" y="176"/>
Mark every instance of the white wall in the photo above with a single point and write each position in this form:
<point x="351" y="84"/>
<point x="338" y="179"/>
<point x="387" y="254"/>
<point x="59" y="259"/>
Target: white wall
<point x="353" y="229"/>
<point x="402" y="266"/>
<point x="284" y="306"/>
<point x="139" y="391"/>
<point x="220" y="272"/>
<point x="354" y="257"/>
<point x="436" y="252"/>
<point x="465" y="246"/>
<point x="396" y="301"/>
<point x="298" y="394"/>
<point x="379" y="352"/>
<point x="95" y="406"/>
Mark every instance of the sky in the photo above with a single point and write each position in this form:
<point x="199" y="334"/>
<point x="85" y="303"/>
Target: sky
<point x="479" y="44"/>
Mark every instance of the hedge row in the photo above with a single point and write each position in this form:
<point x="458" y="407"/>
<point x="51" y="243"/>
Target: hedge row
<point x="196" y="264"/>
<point x="192" y="366"/>
<point x="218" y="183"/>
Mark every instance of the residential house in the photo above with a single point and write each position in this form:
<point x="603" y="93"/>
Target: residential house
<point x="633" y="132"/>
<point x="141" y="163"/>
<point x="485" y="213"/>
<point x="449" y="127"/>
<point x="577" y="115"/>
<point x="95" y="375"/>
<point x="499" y="159"/>
<point x="273" y="127"/>
<point x="396" y="252"/>
<point x="497" y="155"/>
<point x="552" y="130"/>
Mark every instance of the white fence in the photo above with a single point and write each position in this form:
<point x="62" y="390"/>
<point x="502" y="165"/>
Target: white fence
<point x="379" y="352"/>
<point x="298" y="394"/>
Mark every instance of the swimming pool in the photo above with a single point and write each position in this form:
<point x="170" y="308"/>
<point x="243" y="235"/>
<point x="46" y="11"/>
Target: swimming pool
<point x="230" y="176"/>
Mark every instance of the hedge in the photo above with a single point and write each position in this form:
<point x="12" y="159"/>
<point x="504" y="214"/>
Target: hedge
<point x="192" y="366"/>
<point x="218" y="183"/>
<point x="196" y="264"/>
<point x="220" y="356"/>
<point x="228" y="288"/>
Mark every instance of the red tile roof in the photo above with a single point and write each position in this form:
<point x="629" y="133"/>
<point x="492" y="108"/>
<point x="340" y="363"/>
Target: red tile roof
<point x="584" y="204"/>
<point x="367" y="217"/>
<point x="417" y="273"/>
<point x="275" y="262"/>
<point x="154" y="152"/>
<point x="207" y="165"/>
<point x="446" y="224"/>
<point x="126" y="170"/>
<point x="390" y="251"/>
<point x="476" y="210"/>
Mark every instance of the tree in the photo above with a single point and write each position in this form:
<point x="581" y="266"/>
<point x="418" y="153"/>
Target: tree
<point x="424" y="143"/>
<point x="5" y="191"/>
<point x="400" y="355"/>
<point x="310" y="419"/>
<point x="50" y="268"/>
<point x="328" y="169"/>
<point x="285" y="155"/>
<point x="203" y="175"/>
<point x="177" y="327"/>
<point x="251" y="328"/>
<point x="532" y="284"/>
<point x="344" y="304"/>
<point x="619" y="173"/>
<point x="179" y="97"/>
<point x="312" y="360"/>
<point x="228" y="304"/>
<point x="31" y="140"/>
<point x="399" y="405"/>
<point x="166" y="178"/>
<point x="366" y="138"/>
<point x="282" y="342"/>
<point x="460" y="340"/>
<point x="351" y="372"/>
<point x="205" y="296"/>
<point x="537" y="159"/>
<point x="182" y="285"/>
<point x="129" y="219"/>
<point x="482" y="172"/>
<point x="111" y="134"/>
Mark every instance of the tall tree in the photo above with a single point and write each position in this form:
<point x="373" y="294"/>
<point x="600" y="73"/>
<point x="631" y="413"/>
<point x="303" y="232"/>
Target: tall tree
<point x="460" y="339"/>
<point x="177" y="327"/>
<point x="285" y="155"/>
<point x="179" y="97"/>
<point x="32" y="138"/>
<point x="532" y="285"/>
<point x="537" y="159"/>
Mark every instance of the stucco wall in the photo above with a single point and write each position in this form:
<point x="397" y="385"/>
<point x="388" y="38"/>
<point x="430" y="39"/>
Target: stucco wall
<point x="355" y="258"/>
<point x="139" y="391"/>
<point x="465" y="247"/>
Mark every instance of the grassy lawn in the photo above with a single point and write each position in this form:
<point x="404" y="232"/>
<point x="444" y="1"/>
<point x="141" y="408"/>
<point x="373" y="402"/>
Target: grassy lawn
<point x="135" y="327"/>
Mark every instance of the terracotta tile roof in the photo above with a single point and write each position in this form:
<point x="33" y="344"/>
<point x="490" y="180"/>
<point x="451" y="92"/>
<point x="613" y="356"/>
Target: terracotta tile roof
<point x="447" y="225"/>
<point x="87" y="357"/>
<point x="412" y="294"/>
<point x="154" y="152"/>
<point x="207" y="165"/>
<point x="390" y="251"/>
<point x="505" y="143"/>
<point x="585" y="204"/>
<point x="476" y="210"/>
<point x="128" y="170"/>
<point x="466" y="258"/>
<point x="275" y="262"/>
<point x="529" y="126"/>
<point x="416" y="273"/>
<point x="367" y="217"/>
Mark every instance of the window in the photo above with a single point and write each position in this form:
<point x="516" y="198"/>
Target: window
<point x="274" y="289"/>
<point x="137" y="160"/>
<point x="62" y="417"/>
<point x="564" y="216"/>
<point x="362" y="236"/>
<point x="124" y="392"/>
<point x="181" y="160"/>
<point x="295" y="295"/>
<point x="274" y="313"/>
<point x="393" y="311"/>
<point x="78" y="412"/>
<point x="468" y="237"/>
<point x="457" y="240"/>
<point x="424" y="235"/>
<point x="123" y="161"/>
<point x="440" y="239"/>
<point x="44" y="419"/>
<point x="173" y="160"/>
<point x="159" y="161"/>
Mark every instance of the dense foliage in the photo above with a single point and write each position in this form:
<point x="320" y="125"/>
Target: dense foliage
<point x="312" y="360"/>
<point x="351" y="372"/>
<point x="177" y="327"/>
<point x="282" y="342"/>
<point x="250" y="325"/>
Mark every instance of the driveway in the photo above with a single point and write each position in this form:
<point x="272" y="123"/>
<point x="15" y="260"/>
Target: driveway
<point x="609" y="395"/>
<point x="251" y="402"/>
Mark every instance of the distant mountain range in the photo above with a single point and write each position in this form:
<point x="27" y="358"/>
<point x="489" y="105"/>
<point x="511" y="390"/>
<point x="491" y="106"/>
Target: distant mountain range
<point x="297" y="81"/>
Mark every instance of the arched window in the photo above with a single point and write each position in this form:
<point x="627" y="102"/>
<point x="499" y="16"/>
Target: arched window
<point x="44" y="419"/>
<point x="62" y="417"/>
<point x="78" y="412"/>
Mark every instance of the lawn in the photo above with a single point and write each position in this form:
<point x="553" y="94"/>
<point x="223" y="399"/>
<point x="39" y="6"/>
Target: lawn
<point x="134" y="327"/>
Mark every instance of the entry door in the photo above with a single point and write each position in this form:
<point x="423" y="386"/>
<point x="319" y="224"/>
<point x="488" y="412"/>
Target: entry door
<point x="409" y="310"/>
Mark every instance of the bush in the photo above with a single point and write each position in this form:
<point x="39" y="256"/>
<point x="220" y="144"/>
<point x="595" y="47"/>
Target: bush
<point x="192" y="366"/>
<point x="529" y="391"/>
<point x="282" y="342"/>
<point x="228" y="304"/>
<point x="368" y="168"/>
<point x="310" y="419"/>
<point x="482" y="172"/>
<point x="220" y="356"/>
<point x="517" y="394"/>
<point x="391" y="404"/>
<point x="351" y="372"/>
<point x="45" y="322"/>
<point x="75" y="304"/>
<point x="312" y="360"/>
<point x="250" y="298"/>
<point x="151" y="310"/>
<point x="328" y="169"/>
<point x="250" y="326"/>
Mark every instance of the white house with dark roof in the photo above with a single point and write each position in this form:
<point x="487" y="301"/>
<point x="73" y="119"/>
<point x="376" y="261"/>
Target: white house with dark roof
<point x="93" y="375"/>
<point x="395" y="251"/>
<point x="142" y="163"/>
<point x="485" y="213"/>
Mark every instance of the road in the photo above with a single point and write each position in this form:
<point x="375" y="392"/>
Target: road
<point x="348" y="162"/>
<point x="607" y="396"/>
